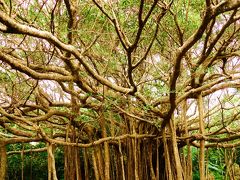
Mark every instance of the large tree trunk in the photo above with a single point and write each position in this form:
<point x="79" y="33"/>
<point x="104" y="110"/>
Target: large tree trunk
<point x="3" y="160"/>
<point x="106" y="149"/>
<point x="187" y="160"/>
<point x="52" y="175"/>
<point x="202" y="142"/>
<point x="72" y="167"/>
<point x="177" y="162"/>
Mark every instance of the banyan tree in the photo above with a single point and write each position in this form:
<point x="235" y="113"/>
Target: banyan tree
<point x="124" y="89"/>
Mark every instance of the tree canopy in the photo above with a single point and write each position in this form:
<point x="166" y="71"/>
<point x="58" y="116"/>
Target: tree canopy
<point x="126" y="88"/>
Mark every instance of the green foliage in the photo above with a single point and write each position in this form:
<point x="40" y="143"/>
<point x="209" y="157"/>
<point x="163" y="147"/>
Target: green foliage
<point x="156" y="89"/>
<point x="196" y="174"/>
<point x="35" y="164"/>
<point x="215" y="163"/>
<point x="38" y="15"/>
<point x="4" y="77"/>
